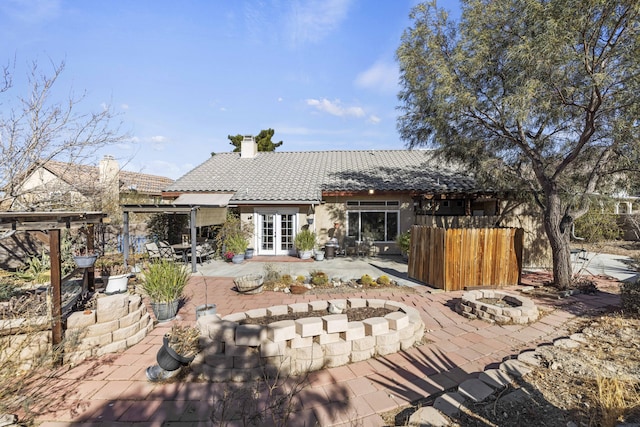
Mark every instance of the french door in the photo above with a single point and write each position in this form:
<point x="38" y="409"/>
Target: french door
<point x="276" y="231"/>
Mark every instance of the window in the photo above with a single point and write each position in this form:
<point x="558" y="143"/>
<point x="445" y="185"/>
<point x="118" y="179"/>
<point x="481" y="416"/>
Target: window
<point x="379" y="226"/>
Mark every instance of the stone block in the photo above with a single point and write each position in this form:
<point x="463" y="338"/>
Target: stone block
<point x="495" y="378"/>
<point x="231" y="349"/>
<point x="124" y="333"/>
<point x="282" y="330"/>
<point x="492" y="309"/>
<point x="80" y="319"/>
<point x="397" y="320"/>
<point x="95" y="341"/>
<point x="212" y="373"/>
<point x="428" y="416"/>
<point x="406" y="344"/>
<point x="300" y="342"/>
<point x="325" y="338"/>
<point x="210" y="346"/>
<point x="234" y="317"/>
<point x="488" y="293"/>
<point x="376" y="303"/>
<point x="356" y="302"/>
<point x="135" y="302"/>
<point x="475" y="390"/>
<point x="314" y="351"/>
<point x="300" y="366"/>
<point x="219" y="330"/>
<point x="449" y="403"/>
<point x="376" y="326"/>
<point x="337" y="360"/>
<point x="335" y="323"/>
<point x="366" y="343"/>
<point x="277" y="310"/>
<point x="113" y="347"/>
<point x="391" y="337"/>
<point x="256" y="313"/>
<point x="132" y="317"/>
<point x="112" y="307"/>
<point x="406" y="333"/>
<point x="355" y="330"/>
<point x="299" y="307"/>
<point x="137" y="337"/>
<point x="250" y="335"/>
<point x="102" y="328"/>
<point x="340" y="302"/>
<point x="514" y="367"/>
<point x="511" y="311"/>
<point x="246" y="362"/>
<point x="530" y="357"/>
<point x="394" y="305"/>
<point x="309" y="326"/>
<point x="270" y="348"/>
<point x="388" y="349"/>
<point x="318" y="305"/>
<point x="499" y="318"/>
<point x="219" y="360"/>
<point x="337" y="348"/>
<point x="360" y="355"/>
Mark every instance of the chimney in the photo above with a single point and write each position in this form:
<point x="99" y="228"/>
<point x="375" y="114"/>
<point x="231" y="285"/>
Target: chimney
<point x="109" y="178"/>
<point x="248" y="147"/>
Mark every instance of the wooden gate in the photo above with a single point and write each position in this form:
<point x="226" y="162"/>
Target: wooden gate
<point x="455" y="259"/>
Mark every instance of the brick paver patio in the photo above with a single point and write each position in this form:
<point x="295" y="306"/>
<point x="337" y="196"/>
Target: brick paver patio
<point x="114" y="390"/>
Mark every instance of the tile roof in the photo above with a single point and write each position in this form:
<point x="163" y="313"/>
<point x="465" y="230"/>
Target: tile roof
<point x="76" y="175"/>
<point x="302" y="176"/>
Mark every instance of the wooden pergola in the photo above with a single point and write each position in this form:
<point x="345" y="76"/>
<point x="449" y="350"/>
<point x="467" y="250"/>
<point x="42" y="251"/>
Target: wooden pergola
<point x="50" y="224"/>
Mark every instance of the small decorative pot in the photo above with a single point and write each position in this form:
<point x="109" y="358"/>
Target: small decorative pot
<point x="249" y="284"/>
<point x="165" y="311"/>
<point x="205" y="310"/>
<point x="168" y="359"/>
<point x="248" y="254"/>
<point x="319" y="255"/>
<point x="116" y="284"/>
<point x="305" y="254"/>
<point x="298" y="289"/>
<point x="237" y="259"/>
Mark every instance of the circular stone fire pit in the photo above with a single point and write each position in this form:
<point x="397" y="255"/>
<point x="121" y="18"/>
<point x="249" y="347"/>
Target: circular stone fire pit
<point x="496" y="306"/>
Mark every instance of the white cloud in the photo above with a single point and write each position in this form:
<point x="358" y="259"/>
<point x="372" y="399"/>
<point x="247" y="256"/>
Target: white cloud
<point x="381" y="76"/>
<point x="124" y="106"/>
<point x="335" y="108"/>
<point x="158" y="138"/>
<point x="374" y="119"/>
<point x="310" y="21"/>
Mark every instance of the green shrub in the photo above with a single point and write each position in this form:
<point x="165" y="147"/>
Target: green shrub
<point x="300" y="279"/>
<point x="598" y="224"/>
<point x="305" y="240"/>
<point x="630" y="296"/>
<point x="383" y="280"/>
<point x="319" y="278"/>
<point x="404" y="242"/>
<point x="366" y="279"/>
<point x="286" y="279"/>
<point x="164" y="281"/>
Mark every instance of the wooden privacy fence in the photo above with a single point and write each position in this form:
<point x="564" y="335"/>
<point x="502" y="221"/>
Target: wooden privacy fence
<point x="455" y="259"/>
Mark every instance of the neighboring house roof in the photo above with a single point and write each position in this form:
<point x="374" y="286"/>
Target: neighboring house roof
<point x="76" y="175"/>
<point x="303" y="176"/>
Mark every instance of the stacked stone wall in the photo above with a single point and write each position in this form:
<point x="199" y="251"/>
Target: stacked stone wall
<point x="244" y="352"/>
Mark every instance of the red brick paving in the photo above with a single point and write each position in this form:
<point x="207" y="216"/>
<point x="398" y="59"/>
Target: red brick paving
<point x="114" y="388"/>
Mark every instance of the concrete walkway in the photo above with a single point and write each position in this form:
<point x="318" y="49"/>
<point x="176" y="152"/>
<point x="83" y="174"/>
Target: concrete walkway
<point x="114" y="391"/>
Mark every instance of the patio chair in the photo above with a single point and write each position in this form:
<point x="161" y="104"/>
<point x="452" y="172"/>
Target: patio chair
<point x="168" y="252"/>
<point x="203" y="251"/>
<point x="153" y="251"/>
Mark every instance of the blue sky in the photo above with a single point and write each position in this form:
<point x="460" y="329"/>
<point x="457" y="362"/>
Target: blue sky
<point x="185" y="74"/>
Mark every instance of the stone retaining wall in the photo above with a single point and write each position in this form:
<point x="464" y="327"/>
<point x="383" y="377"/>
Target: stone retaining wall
<point x="521" y="309"/>
<point x="118" y="322"/>
<point x="236" y="352"/>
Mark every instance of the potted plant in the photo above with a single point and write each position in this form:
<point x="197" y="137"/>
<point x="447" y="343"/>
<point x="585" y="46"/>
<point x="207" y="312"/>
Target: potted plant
<point x="179" y="348"/>
<point x="236" y="244"/>
<point x="305" y="241"/>
<point x="319" y="253"/>
<point x="85" y="258"/>
<point x="164" y="282"/>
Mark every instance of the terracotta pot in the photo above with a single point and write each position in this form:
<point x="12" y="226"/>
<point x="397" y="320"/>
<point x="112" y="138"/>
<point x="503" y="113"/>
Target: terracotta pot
<point x="298" y="289"/>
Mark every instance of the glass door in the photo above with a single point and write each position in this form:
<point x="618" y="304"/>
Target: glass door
<point x="276" y="232"/>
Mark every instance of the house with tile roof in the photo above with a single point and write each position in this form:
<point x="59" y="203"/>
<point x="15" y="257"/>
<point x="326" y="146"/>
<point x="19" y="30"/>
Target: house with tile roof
<point x="55" y="185"/>
<point x="372" y="195"/>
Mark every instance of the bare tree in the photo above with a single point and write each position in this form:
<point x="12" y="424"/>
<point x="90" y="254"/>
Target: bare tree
<point x="36" y="128"/>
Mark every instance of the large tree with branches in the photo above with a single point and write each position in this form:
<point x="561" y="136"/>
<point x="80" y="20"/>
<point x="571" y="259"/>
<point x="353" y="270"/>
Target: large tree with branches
<point x="36" y="126"/>
<point x="535" y="95"/>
